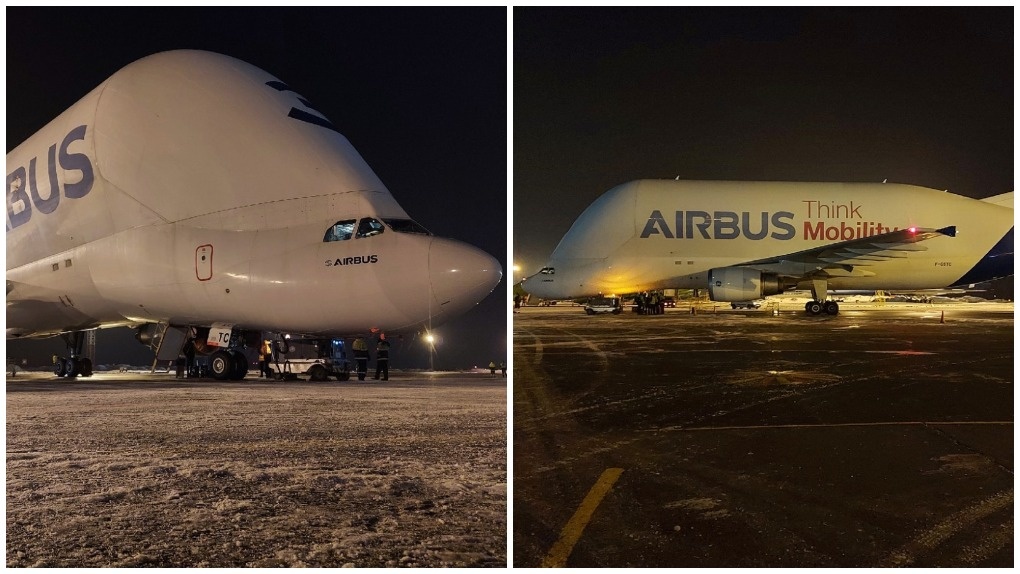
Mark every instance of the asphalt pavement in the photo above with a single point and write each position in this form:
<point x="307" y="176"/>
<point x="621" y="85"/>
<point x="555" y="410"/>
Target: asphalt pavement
<point x="879" y="437"/>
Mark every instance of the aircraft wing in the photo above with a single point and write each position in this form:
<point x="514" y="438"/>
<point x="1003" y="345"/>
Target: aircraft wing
<point x="851" y="258"/>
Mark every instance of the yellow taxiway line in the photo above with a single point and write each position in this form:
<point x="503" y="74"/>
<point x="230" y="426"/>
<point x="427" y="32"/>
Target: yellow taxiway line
<point x="571" y="533"/>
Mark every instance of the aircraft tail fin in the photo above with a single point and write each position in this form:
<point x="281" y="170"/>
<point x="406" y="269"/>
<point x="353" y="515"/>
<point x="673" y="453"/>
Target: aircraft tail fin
<point x="1003" y="199"/>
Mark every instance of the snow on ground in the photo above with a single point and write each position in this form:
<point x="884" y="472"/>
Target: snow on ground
<point x="409" y="472"/>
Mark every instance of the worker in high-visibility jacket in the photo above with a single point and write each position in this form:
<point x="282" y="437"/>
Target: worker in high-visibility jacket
<point x="382" y="358"/>
<point x="266" y="357"/>
<point x="361" y="357"/>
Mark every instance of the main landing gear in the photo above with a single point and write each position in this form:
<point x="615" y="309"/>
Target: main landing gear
<point x="819" y="290"/>
<point x="228" y="364"/>
<point x="819" y="307"/>
<point x="76" y="365"/>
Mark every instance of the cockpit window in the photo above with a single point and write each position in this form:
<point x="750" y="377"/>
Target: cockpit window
<point x="369" y="227"/>
<point x="548" y="271"/>
<point x="340" y="231"/>
<point x="406" y="226"/>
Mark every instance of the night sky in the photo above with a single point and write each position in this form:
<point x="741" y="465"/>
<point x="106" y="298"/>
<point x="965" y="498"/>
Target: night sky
<point x="420" y="93"/>
<point x="605" y="96"/>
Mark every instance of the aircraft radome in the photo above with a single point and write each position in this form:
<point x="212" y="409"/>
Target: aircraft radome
<point x="194" y="191"/>
<point x="745" y="240"/>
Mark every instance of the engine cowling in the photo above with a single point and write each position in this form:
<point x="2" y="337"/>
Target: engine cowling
<point x="741" y="284"/>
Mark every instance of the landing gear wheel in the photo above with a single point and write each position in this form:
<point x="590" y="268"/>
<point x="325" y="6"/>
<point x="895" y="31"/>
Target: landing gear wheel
<point x="317" y="373"/>
<point x="71" y="368"/>
<point x="831" y="307"/>
<point x="86" y="367"/>
<point x="221" y="364"/>
<point x="59" y="368"/>
<point x="814" y="307"/>
<point x="239" y="367"/>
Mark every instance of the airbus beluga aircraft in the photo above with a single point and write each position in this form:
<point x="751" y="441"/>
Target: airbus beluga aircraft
<point x="745" y="240"/>
<point x="191" y="190"/>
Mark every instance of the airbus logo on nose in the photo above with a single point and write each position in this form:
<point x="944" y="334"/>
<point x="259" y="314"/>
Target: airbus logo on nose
<point x="360" y="259"/>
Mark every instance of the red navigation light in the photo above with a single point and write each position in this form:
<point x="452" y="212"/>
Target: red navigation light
<point x="912" y="230"/>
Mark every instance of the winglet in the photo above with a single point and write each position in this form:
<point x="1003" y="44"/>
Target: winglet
<point x="950" y="231"/>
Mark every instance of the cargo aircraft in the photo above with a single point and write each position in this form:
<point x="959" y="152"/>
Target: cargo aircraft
<point x="195" y="193"/>
<point x="745" y="240"/>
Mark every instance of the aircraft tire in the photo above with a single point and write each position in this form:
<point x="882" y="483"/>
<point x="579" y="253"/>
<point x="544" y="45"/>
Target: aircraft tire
<point x="317" y="373"/>
<point x="831" y="308"/>
<point x="71" y="368"/>
<point x="221" y="365"/>
<point x="86" y="367"/>
<point x="239" y="366"/>
<point x="59" y="368"/>
<point x="814" y="307"/>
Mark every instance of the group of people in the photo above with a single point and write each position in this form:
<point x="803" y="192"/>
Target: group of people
<point x="382" y="358"/>
<point x="650" y="303"/>
<point x="492" y="368"/>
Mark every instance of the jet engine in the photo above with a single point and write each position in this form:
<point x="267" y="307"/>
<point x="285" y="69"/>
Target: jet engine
<point x="741" y="284"/>
<point x="148" y="334"/>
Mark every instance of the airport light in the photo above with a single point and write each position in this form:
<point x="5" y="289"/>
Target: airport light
<point x="431" y="340"/>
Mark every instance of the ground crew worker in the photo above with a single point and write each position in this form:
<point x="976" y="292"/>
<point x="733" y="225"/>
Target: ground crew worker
<point x="382" y="358"/>
<point x="265" y="356"/>
<point x="492" y="368"/>
<point x="361" y="357"/>
<point x="189" y="358"/>
<point x="502" y="366"/>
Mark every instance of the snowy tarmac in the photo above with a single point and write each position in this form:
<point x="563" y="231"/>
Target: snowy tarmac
<point x="879" y="437"/>
<point x="147" y="470"/>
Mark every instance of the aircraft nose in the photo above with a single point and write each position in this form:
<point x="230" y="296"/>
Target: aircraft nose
<point x="461" y="275"/>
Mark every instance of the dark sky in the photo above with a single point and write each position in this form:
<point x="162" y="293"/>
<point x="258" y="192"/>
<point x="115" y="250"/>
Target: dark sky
<point x="420" y="93"/>
<point x="604" y="96"/>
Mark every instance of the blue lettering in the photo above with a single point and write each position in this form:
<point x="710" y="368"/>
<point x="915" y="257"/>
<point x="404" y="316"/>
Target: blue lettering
<point x="23" y="187"/>
<point x="706" y="222"/>
<point x="19" y="209"/>
<point x="76" y="161"/>
<point x="726" y="225"/>
<point x="721" y="225"/>
<point x="747" y="226"/>
<point x="50" y="203"/>
<point x="653" y="219"/>
<point x="777" y="218"/>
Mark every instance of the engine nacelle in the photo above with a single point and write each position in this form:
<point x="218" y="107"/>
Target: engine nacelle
<point x="148" y="334"/>
<point x="741" y="284"/>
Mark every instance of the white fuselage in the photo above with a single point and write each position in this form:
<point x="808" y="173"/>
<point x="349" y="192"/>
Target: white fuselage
<point x="652" y="234"/>
<point x="191" y="188"/>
